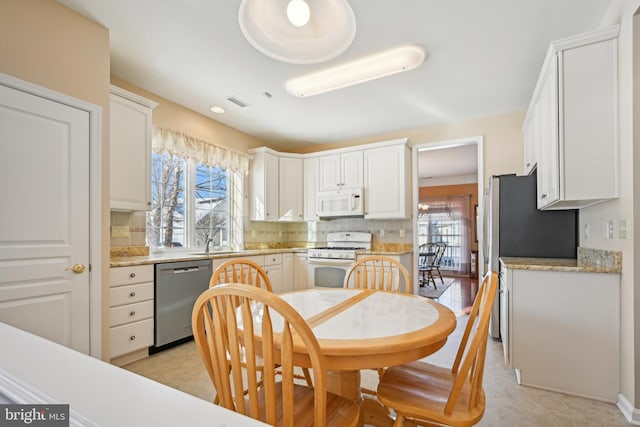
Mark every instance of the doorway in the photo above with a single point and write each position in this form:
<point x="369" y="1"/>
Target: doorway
<point x="447" y="189"/>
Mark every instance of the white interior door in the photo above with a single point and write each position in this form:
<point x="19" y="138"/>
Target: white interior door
<point x="44" y="220"/>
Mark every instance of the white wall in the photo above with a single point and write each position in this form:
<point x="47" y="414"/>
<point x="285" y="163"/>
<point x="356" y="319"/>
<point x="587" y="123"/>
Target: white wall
<point x="622" y="11"/>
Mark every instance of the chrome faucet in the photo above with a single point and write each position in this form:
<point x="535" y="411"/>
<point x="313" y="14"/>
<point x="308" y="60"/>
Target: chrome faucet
<point x="207" y="242"/>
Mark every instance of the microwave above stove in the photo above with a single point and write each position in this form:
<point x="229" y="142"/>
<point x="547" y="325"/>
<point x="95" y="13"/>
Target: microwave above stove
<point x="340" y="203"/>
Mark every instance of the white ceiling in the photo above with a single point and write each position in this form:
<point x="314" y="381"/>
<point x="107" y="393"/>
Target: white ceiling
<point x="483" y="59"/>
<point x="458" y="162"/>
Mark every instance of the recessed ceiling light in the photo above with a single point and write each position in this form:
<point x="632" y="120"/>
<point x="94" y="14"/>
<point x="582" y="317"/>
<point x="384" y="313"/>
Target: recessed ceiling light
<point x="218" y="110"/>
<point x="361" y="70"/>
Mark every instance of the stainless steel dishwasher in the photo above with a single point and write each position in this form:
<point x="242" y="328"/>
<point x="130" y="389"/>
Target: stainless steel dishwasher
<point x="178" y="285"/>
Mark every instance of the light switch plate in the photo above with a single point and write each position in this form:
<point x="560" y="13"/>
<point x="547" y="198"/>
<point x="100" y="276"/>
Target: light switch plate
<point x="120" y="231"/>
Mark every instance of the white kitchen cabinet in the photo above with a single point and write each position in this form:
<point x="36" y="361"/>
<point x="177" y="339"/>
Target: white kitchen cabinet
<point x="530" y="131"/>
<point x="264" y="191"/>
<point x="274" y="269"/>
<point x="572" y="122"/>
<point x="276" y="192"/>
<point x="300" y="271"/>
<point x="562" y="330"/>
<point x="130" y="129"/>
<point x="291" y="183"/>
<point x="131" y="310"/>
<point x="387" y="181"/>
<point x="340" y="170"/>
<point x="310" y="171"/>
<point x="288" y="261"/>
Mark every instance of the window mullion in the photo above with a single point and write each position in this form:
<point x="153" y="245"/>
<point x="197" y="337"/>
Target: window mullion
<point x="190" y="203"/>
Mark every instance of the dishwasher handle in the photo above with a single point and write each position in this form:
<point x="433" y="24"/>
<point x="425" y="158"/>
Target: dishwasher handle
<point x="185" y="270"/>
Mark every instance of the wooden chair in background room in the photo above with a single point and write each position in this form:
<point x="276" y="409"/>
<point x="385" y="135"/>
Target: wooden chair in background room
<point x="421" y="392"/>
<point x="235" y="319"/>
<point x="379" y="273"/>
<point x="247" y="272"/>
<point x="441" y="249"/>
<point x="427" y="253"/>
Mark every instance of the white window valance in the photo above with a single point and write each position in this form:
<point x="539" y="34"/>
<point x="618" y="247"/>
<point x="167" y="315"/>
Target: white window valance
<point x="188" y="147"/>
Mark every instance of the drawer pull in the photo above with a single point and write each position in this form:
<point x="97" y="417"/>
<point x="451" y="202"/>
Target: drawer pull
<point x="132" y="294"/>
<point x="132" y="275"/>
<point x="133" y="313"/>
<point x="132" y="338"/>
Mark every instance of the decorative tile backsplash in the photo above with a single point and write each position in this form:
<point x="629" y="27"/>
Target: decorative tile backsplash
<point x="262" y="235"/>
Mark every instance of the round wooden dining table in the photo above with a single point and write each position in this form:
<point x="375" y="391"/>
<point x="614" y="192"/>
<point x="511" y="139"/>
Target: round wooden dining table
<point x="359" y="329"/>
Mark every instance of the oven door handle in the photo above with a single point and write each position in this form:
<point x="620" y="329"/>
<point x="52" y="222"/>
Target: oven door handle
<point x="330" y="261"/>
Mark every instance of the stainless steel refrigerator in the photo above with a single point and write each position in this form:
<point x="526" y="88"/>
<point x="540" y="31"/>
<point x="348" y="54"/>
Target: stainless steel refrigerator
<point x="514" y="227"/>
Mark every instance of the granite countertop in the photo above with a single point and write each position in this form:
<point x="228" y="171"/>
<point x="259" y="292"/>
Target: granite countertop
<point x="556" y="264"/>
<point x="173" y="256"/>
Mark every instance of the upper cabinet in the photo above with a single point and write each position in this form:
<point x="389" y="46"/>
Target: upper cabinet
<point x="310" y="171"/>
<point x="290" y="204"/>
<point x="341" y="170"/>
<point x="276" y="186"/>
<point x="570" y="131"/>
<point x="387" y="181"/>
<point x="130" y="150"/>
<point x="264" y="185"/>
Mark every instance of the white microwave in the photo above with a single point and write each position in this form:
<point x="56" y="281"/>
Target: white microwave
<point x="343" y="202"/>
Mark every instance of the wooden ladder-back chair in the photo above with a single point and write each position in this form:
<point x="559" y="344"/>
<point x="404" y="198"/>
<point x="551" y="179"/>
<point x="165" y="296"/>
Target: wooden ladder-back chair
<point x="380" y="273"/>
<point x="422" y="392"/>
<point x="238" y="326"/>
<point x="241" y="271"/>
<point x="248" y="272"/>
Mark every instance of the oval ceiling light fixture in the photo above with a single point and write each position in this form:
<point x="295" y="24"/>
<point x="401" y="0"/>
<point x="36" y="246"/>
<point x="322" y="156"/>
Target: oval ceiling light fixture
<point x="217" y="110"/>
<point x="361" y="70"/>
<point x="273" y="28"/>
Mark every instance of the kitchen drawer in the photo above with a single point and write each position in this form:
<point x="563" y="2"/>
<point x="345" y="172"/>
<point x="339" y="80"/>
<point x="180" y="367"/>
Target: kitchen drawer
<point x="273" y="259"/>
<point x="131" y="313"/>
<point x="130" y="275"/>
<point x="131" y="293"/>
<point x="131" y="337"/>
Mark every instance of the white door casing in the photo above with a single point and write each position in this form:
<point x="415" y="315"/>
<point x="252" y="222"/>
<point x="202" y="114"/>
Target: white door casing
<point x="45" y="222"/>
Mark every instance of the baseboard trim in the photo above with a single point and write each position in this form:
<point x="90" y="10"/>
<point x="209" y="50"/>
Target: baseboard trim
<point x="630" y="413"/>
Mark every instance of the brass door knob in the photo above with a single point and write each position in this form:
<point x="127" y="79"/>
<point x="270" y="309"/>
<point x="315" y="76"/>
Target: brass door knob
<point x="76" y="268"/>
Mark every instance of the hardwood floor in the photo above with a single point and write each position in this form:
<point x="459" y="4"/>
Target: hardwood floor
<point x="460" y="295"/>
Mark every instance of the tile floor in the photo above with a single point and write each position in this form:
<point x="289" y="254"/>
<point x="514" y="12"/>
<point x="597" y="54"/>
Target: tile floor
<point x="508" y="404"/>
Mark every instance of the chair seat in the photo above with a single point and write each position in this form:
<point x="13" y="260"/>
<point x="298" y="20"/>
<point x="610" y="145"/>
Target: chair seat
<point x="420" y="390"/>
<point x="340" y="411"/>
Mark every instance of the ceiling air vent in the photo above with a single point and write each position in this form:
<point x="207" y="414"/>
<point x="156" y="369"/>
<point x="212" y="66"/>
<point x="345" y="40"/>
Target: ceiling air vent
<point x="237" y="101"/>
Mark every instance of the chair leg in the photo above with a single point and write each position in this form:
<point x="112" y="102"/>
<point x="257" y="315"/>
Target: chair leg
<point x="440" y="274"/>
<point x="399" y="421"/>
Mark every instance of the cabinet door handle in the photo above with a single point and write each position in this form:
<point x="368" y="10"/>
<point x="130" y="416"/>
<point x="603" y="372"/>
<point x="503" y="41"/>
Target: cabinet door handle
<point x="132" y="338"/>
<point x="132" y="294"/>
<point x="544" y="196"/>
<point x="133" y="313"/>
<point x="132" y="275"/>
<point x="528" y="164"/>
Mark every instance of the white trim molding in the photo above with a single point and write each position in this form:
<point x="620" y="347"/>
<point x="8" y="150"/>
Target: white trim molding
<point x="630" y="413"/>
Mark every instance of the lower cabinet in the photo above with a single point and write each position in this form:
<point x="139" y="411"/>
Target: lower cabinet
<point x="131" y="309"/>
<point x="300" y="271"/>
<point x="562" y="330"/>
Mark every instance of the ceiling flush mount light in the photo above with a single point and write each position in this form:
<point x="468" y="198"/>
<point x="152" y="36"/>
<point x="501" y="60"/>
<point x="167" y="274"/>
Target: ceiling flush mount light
<point x="218" y="110"/>
<point x="361" y="70"/>
<point x="298" y="31"/>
